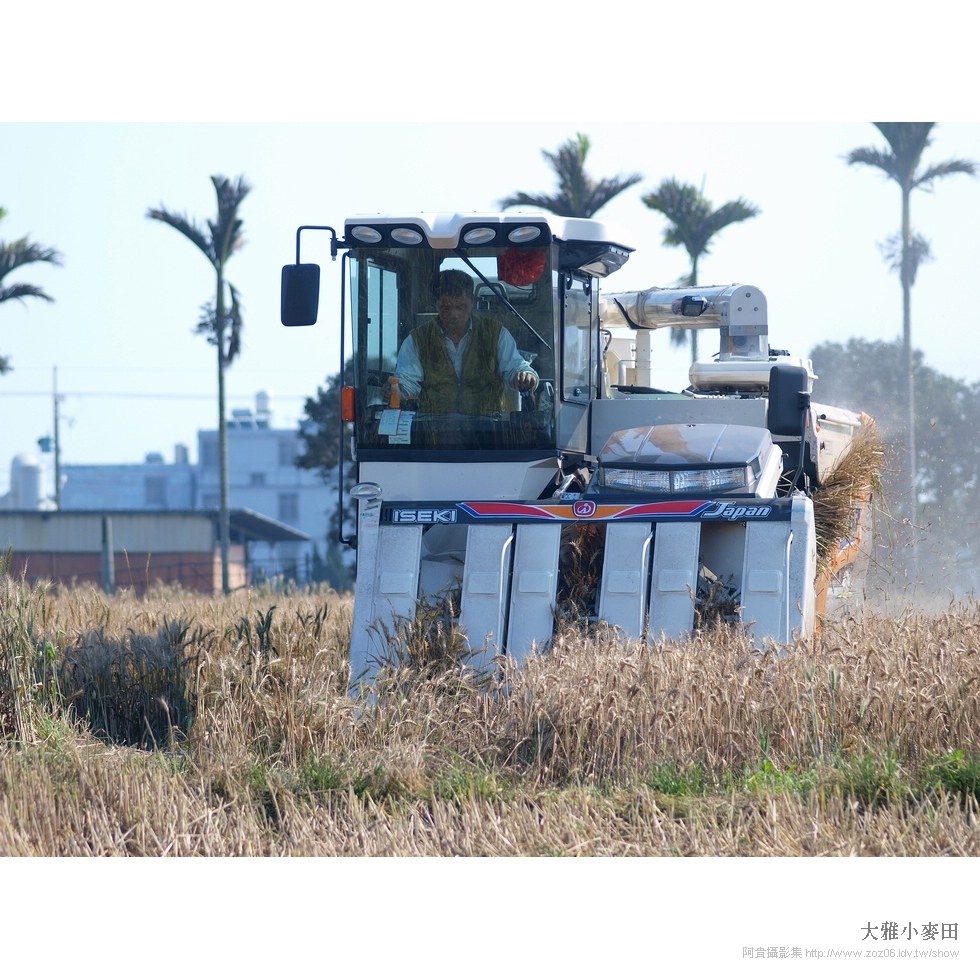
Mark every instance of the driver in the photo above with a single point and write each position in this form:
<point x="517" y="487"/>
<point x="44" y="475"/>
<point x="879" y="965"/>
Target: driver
<point x="458" y="362"/>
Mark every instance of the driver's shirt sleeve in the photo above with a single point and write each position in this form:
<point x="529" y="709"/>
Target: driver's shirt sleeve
<point x="408" y="367"/>
<point x="510" y="361"/>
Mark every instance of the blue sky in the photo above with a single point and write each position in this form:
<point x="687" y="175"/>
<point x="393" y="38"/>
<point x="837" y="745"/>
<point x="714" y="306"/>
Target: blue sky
<point x="134" y="378"/>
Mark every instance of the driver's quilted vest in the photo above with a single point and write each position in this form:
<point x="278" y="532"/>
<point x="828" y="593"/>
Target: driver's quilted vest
<point x="480" y="391"/>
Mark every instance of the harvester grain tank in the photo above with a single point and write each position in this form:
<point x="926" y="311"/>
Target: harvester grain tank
<point x="684" y="502"/>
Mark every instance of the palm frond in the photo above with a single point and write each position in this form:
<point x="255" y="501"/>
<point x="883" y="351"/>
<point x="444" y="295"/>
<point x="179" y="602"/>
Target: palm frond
<point x="522" y="200"/>
<point x="905" y="261"/>
<point x="23" y="252"/>
<point x="21" y="291"/>
<point x="186" y="227"/>
<point x="908" y="140"/>
<point x="692" y="219"/>
<point x="226" y="231"/>
<point x="601" y="193"/>
<point x="235" y="324"/>
<point x="578" y="195"/>
<point x="677" y="202"/>
<point x="207" y="325"/>
<point x="732" y="213"/>
<point x="945" y="169"/>
<point x="872" y="157"/>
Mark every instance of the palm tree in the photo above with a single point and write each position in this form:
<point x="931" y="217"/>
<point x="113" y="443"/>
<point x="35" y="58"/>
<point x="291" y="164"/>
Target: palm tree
<point x="693" y="222"/>
<point x="578" y="195"/>
<point x="12" y="256"/>
<point x="221" y="322"/>
<point x="907" y="141"/>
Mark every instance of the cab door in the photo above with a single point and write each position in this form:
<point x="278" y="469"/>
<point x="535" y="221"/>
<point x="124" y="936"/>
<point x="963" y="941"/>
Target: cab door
<point x="578" y="381"/>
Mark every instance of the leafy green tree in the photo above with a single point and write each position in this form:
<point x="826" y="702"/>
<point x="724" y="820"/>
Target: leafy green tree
<point x="578" y="194"/>
<point x="693" y="222"/>
<point x="13" y="255"/>
<point x="902" y="163"/>
<point x="868" y="376"/>
<point x="327" y="451"/>
<point x="221" y="320"/>
<point x="320" y="431"/>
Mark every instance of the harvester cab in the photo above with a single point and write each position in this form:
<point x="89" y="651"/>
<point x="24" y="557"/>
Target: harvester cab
<point x="591" y="492"/>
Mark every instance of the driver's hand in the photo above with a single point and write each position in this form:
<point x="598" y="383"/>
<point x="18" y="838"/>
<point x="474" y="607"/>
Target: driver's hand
<point x="524" y="381"/>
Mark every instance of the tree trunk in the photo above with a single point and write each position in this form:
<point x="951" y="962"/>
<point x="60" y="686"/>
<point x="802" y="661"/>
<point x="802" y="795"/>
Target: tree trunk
<point x="223" y="519"/>
<point x="694" y="333"/>
<point x="907" y="365"/>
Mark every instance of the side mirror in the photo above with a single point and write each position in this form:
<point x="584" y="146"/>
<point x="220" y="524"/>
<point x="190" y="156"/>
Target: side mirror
<point x="300" y="295"/>
<point x="789" y="398"/>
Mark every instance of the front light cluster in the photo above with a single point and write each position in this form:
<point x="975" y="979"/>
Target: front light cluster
<point x="409" y="235"/>
<point x="401" y="236"/>
<point x="484" y="234"/>
<point x="716" y="480"/>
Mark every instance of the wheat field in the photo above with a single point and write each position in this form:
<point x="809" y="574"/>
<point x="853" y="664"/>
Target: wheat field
<point x="176" y="725"/>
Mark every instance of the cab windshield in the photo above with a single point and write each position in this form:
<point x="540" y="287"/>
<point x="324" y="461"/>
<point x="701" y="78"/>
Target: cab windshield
<point x="453" y="349"/>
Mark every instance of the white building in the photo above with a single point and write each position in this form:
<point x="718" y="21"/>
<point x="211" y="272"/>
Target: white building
<point x="262" y="477"/>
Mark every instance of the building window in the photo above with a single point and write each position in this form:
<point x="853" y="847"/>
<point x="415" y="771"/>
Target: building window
<point x="288" y="451"/>
<point x="289" y="508"/>
<point x="256" y="479"/>
<point x="155" y="491"/>
<point x="210" y="501"/>
<point x="209" y="454"/>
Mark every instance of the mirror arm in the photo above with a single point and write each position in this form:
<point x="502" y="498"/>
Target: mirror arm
<point x="334" y="243"/>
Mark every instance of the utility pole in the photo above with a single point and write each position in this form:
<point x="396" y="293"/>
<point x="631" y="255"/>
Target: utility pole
<point x="57" y="444"/>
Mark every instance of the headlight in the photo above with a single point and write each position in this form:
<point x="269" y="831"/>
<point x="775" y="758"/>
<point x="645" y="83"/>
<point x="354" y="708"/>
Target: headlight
<point x="648" y="481"/>
<point x="694" y="481"/>
<point x="717" y="480"/>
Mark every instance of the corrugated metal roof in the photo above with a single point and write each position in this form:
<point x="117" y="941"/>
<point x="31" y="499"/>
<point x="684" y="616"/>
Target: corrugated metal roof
<point x="257" y="527"/>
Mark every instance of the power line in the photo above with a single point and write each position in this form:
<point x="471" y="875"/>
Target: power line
<point x="161" y="396"/>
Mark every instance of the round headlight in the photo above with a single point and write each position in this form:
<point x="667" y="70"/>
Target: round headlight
<point x="364" y="233"/>
<point x="526" y="233"/>
<point x="406" y="236"/>
<point x="479" y="236"/>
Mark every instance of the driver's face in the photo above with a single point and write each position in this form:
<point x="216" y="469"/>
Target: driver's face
<point x="454" y="311"/>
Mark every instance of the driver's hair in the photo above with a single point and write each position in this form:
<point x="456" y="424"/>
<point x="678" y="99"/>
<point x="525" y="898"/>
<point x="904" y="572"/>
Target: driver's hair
<point x="452" y="282"/>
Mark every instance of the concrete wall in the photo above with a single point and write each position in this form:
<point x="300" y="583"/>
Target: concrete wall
<point x="70" y="547"/>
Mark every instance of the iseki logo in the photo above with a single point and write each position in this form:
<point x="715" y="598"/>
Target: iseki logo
<point x="433" y="515"/>
<point x="583" y="508"/>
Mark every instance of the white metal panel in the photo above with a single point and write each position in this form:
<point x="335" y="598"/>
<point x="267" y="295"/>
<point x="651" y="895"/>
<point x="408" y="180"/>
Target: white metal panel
<point x="397" y="592"/>
<point x="778" y="579"/>
<point x="458" y="481"/>
<point x="674" y="579"/>
<point x="624" y="588"/>
<point x="803" y="568"/>
<point x="483" y="603"/>
<point x="765" y="580"/>
<point x="534" y="586"/>
<point x="387" y="588"/>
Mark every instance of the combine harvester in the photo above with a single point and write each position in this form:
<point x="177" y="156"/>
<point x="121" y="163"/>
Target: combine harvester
<point x="676" y="500"/>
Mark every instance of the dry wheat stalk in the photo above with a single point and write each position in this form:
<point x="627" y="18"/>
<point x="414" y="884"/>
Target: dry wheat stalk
<point x="856" y="477"/>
